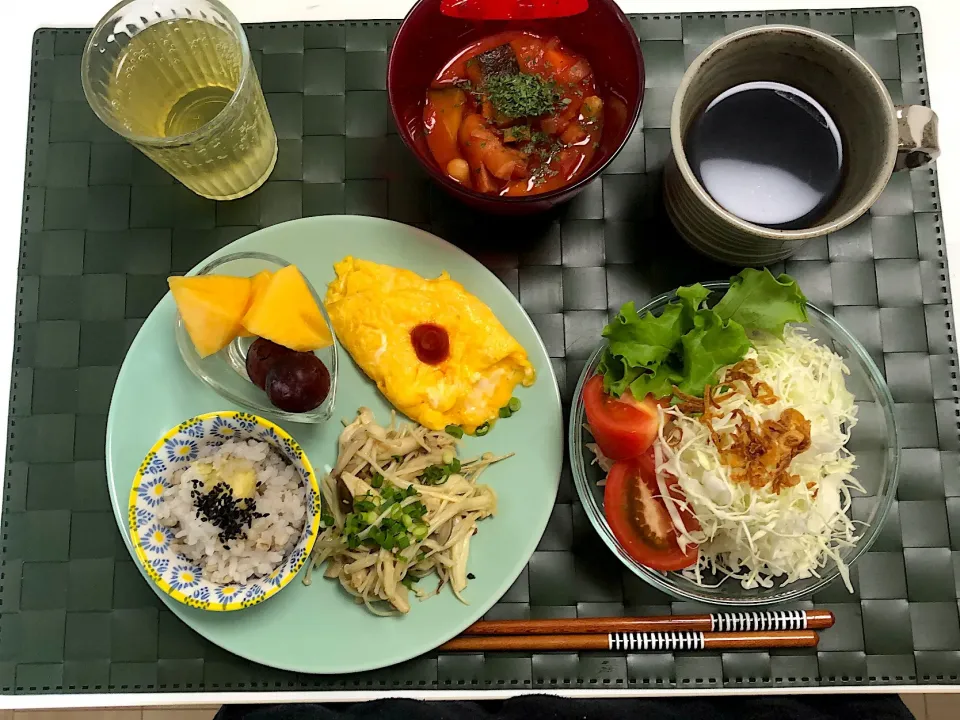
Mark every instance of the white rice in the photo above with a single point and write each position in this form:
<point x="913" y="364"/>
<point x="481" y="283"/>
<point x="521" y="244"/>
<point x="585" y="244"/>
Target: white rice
<point x="279" y="496"/>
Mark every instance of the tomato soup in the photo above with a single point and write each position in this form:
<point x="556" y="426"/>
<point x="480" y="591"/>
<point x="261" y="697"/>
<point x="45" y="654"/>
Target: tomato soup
<point x="514" y="114"/>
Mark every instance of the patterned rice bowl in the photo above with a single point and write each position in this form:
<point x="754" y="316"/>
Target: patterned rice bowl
<point x="178" y="577"/>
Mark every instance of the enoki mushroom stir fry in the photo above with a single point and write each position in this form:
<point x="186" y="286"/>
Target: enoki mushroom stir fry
<point x="399" y="506"/>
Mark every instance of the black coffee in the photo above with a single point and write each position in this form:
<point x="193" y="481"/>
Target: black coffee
<point x="768" y="153"/>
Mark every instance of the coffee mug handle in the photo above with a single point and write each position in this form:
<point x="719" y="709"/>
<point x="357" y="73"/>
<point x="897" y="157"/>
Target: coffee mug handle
<point x="919" y="141"/>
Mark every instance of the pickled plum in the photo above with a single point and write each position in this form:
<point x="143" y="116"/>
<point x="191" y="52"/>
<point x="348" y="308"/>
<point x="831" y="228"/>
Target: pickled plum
<point x="298" y="382"/>
<point x="261" y="356"/>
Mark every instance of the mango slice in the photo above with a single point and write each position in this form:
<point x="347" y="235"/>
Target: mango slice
<point x="286" y="313"/>
<point x="259" y="281"/>
<point x="212" y="308"/>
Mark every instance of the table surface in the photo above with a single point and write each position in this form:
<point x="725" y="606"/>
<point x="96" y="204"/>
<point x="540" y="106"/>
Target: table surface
<point x="939" y="19"/>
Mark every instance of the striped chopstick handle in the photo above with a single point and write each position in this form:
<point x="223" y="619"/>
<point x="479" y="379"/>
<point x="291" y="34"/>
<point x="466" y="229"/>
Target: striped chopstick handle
<point x="759" y="621"/>
<point x="693" y="640"/>
<point x="666" y="641"/>
<point x="676" y="641"/>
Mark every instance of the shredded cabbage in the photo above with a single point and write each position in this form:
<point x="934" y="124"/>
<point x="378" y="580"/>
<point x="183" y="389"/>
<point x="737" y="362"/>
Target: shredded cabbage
<point x="757" y="535"/>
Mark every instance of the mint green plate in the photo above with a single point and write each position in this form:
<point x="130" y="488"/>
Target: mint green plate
<point x="318" y="628"/>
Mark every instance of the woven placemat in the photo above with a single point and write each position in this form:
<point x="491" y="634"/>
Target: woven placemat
<point x="103" y="227"/>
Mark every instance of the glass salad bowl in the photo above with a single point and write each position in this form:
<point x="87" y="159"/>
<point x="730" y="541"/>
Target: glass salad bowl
<point x="873" y="441"/>
<point x="226" y="371"/>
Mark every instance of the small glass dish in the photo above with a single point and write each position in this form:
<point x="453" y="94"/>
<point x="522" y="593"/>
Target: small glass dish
<point x="226" y="371"/>
<point x="873" y="440"/>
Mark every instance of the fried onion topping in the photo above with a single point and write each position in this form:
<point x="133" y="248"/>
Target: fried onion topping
<point x="757" y="454"/>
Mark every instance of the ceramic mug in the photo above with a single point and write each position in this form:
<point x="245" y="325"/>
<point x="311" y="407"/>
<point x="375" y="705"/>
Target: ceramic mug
<point x="878" y="137"/>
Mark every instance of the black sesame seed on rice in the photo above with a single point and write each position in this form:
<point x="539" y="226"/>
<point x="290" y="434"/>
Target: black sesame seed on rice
<point x="232" y="516"/>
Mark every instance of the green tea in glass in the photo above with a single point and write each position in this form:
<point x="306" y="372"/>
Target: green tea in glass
<point x="176" y="80"/>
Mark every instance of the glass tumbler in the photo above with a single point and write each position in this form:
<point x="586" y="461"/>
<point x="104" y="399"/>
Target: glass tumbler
<point x="176" y="80"/>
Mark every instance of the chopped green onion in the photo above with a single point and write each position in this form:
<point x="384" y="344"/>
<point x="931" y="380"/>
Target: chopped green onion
<point x="353" y="542"/>
<point x="432" y="475"/>
<point x="369" y="517"/>
<point x="398" y="458"/>
<point x="387" y="524"/>
<point x="505" y="412"/>
<point x="327" y="520"/>
<point x="403" y="541"/>
<point x="482" y="429"/>
<point x="438" y="474"/>
<point x="408" y="581"/>
<point x="407" y="522"/>
<point x="454" y="431"/>
<point x="362" y="506"/>
<point x="514" y="404"/>
<point x="396" y="512"/>
<point x="453" y="466"/>
<point x="420" y="531"/>
<point x="391" y="495"/>
<point x="377" y="480"/>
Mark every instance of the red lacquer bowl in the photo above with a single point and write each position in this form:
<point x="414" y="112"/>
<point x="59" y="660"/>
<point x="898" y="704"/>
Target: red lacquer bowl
<point x="603" y="35"/>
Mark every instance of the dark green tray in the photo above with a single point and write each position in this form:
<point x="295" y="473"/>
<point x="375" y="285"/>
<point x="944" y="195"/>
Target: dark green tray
<point x="103" y="227"/>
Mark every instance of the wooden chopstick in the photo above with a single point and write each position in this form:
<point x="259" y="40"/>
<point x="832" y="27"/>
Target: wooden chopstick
<point x="638" y="642"/>
<point x="755" y="621"/>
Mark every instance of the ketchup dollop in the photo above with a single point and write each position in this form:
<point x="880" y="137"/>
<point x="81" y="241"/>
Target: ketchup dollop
<point x="431" y="343"/>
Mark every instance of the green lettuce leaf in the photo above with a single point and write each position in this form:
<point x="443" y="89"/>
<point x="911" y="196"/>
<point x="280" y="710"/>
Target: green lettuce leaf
<point x="617" y="375"/>
<point x="687" y="343"/>
<point x="692" y="297"/>
<point x="758" y="300"/>
<point x="660" y="382"/>
<point x="644" y="342"/>
<point x="712" y="344"/>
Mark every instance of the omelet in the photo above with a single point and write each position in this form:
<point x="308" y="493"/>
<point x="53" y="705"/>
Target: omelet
<point x="437" y="353"/>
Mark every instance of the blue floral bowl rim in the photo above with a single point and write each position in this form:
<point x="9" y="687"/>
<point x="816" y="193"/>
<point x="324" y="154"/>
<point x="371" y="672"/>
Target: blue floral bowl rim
<point x="308" y="536"/>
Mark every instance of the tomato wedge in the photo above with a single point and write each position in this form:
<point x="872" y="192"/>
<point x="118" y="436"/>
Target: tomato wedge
<point x="622" y="427"/>
<point x="442" y="116"/>
<point x="639" y="519"/>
